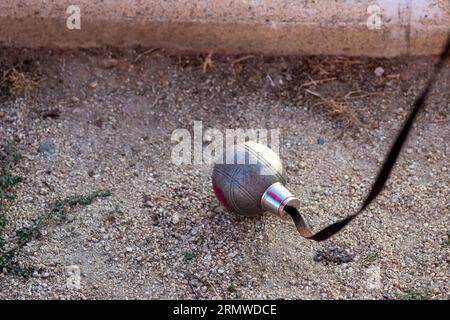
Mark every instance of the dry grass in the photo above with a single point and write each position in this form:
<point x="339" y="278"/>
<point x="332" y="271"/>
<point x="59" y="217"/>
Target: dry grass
<point x="340" y="104"/>
<point x="242" y="59"/>
<point x="147" y="52"/>
<point x="19" y="83"/>
<point x="336" y="106"/>
<point x="207" y="62"/>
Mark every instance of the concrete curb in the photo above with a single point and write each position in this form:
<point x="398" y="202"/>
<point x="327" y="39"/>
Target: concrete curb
<point x="272" y="27"/>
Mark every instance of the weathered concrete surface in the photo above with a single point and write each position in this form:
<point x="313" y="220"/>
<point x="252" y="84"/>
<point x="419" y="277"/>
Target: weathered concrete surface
<point x="271" y="27"/>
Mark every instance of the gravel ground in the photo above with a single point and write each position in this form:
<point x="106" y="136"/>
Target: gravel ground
<point x="102" y="119"/>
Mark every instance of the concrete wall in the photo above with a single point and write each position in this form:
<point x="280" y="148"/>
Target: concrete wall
<point x="271" y="27"/>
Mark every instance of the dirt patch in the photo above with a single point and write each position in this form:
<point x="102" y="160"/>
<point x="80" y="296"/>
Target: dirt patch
<point x="162" y="233"/>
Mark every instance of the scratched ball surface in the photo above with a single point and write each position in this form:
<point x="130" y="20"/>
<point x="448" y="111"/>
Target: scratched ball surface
<point x="246" y="171"/>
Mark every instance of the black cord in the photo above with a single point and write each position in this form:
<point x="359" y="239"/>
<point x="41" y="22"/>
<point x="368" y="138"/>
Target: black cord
<point x="386" y="168"/>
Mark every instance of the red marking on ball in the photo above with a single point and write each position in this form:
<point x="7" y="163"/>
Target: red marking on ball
<point x="275" y="196"/>
<point x="220" y="196"/>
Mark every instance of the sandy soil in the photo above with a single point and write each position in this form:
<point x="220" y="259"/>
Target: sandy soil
<point x="162" y="233"/>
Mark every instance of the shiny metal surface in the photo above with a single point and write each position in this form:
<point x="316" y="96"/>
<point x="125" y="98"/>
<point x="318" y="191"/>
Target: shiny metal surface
<point x="276" y="197"/>
<point x="240" y="185"/>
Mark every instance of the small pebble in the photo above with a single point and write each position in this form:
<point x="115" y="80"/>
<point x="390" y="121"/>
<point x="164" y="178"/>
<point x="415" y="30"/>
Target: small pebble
<point x="207" y="138"/>
<point x="46" y="148"/>
<point x="379" y="71"/>
<point x="175" y="218"/>
<point x="93" y="85"/>
<point x="320" y="141"/>
<point x="109" y="63"/>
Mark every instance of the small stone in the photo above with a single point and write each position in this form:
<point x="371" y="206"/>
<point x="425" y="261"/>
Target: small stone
<point x="75" y="99"/>
<point x="93" y="85"/>
<point x="334" y="255"/>
<point x="146" y="201"/>
<point x="379" y="71"/>
<point x="302" y="164"/>
<point x="109" y="63"/>
<point x="129" y="249"/>
<point x="444" y="169"/>
<point x="320" y="141"/>
<point x="175" y="218"/>
<point x="46" y="148"/>
<point x="2" y="114"/>
<point x="207" y="137"/>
